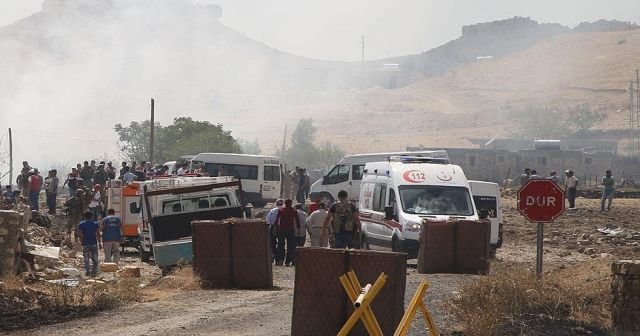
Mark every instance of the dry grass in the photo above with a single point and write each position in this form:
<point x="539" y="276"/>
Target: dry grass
<point x="181" y="278"/>
<point x="512" y="302"/>
<point x="30" y="305"/>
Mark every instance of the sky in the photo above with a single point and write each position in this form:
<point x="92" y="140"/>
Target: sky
<point x="332" y="29"/>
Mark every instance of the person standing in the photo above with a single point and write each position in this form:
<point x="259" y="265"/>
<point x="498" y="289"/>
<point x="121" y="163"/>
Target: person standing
<point x="111" y="227"/>
<point x="607" y="193"/>
<point x="86" y="174"/>
<point x="315" y="227"/>
<point x="554" y="177"/>
<point x="100" y="176"/>
<point x="123" y="170"/>
<point x="342" y="221"/>
<point x="111" y="171"/>
<point x="534" y="175"/>
<point x="35" y="186"/>
<point x="270" y="217"/>
<point x="89" y="235"/>
<point x="128" y="176"/>
<point x="301" y="230"/>
<point x="75" y="210"/>
<point x="96" y="204"/>
<point x="72" y="181"/>
<point x="23" y="179"/>
<point x="571" y="188"/>
<point x="300" y="181"/>
<point x="51" y="189"/>
<point x="287" y="219"/>
<point x="524" y="178"/>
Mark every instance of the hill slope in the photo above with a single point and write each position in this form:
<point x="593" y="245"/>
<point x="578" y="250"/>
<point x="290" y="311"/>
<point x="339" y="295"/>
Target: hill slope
<point x="476" y="100"/>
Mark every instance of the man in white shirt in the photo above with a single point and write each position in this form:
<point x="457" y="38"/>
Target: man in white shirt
<point x="270" y="217"/>
<point x="570" y="188"/>
<point x="314" y="226"/>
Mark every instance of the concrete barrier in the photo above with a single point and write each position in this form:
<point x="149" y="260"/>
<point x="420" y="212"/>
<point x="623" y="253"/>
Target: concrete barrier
<point x="10" y="224"/>
<point x="625" y="306"/>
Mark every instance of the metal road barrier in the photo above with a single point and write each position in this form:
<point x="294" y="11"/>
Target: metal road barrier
<point x="415" y="304"/>
<point x="362" y="303"/>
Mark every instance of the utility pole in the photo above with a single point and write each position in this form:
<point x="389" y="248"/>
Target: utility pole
<point x="153" y="126"/>
<point x="10" y="158"/>
<point x="631" y="105"/>
<point x="638" y="112"/>
<point x="362" y="61"/>
<point x="284" y="142"/>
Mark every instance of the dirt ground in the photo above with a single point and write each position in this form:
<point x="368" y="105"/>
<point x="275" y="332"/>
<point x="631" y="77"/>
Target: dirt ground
<point x="572" y="242"/>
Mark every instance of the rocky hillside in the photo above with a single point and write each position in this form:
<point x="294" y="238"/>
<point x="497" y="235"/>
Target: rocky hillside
<point x="78" y="67"/>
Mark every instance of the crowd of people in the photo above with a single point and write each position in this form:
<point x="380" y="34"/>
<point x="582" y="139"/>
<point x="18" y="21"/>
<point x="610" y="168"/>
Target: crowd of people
<point x="296" y="184"/>
<point x="571" y="185"/>
<point x="337" y="225"/>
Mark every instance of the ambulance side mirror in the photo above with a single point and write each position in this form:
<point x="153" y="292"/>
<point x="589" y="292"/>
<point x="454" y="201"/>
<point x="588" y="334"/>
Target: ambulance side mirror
<point x="388" y="213"/>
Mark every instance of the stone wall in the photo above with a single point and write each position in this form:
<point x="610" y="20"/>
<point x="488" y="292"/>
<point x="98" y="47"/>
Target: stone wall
<point x="10" y="223"/>
<point x="625" y="307"/>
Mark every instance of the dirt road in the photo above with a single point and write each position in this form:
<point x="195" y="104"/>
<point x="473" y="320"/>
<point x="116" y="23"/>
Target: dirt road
<point x="268" y="312"/>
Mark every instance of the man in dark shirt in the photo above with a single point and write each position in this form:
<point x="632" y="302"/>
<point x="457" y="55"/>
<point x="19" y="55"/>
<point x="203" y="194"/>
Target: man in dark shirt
<point x="286" y="218"/>
<point x="89" y="236"/>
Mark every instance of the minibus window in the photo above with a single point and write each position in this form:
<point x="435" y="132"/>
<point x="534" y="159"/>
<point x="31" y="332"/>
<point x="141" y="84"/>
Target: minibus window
<point x="338" y="174"/>
<point x="271" y="173"/>
<point x="436" y="200"/>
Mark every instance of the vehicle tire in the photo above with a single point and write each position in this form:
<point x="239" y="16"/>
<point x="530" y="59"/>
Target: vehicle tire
<point x="492" y="253"/>
<point x="326" y="198"/>
<point x="395" y="244"/>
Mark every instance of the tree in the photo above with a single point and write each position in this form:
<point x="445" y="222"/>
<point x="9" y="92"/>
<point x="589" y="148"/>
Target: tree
<point x="549" y="123"/>
<point x="250" y="147"/>
<point x="184" y="136"/>
<point x="304" y="153"/>
<point x="583" y="117"/>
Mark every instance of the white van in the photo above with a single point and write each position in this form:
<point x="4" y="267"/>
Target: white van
<point x="347" y="174"/>
<point x="486" y="196"/>
<point x="397" y="195"/>
<point x="260" y="174"/>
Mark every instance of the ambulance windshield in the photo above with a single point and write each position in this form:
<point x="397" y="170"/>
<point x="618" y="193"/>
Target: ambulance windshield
<point x="436" y="200"/>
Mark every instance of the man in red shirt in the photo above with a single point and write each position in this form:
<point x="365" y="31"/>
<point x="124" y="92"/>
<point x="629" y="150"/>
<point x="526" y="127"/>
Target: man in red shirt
<point x="285" y="220"/>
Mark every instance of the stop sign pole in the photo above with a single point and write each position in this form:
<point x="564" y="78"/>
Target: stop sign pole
<point x="540" y="201"/>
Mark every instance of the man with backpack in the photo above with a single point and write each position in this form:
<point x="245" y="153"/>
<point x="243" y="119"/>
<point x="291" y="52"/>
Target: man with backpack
<point x="342" y="221"/>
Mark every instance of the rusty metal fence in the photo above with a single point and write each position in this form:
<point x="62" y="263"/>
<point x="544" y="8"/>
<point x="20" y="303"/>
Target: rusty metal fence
<point x="455" y="247"/>
<point x="437" y="248"/>
<point x="232" y="253"/>
<point x="320" y="304"/>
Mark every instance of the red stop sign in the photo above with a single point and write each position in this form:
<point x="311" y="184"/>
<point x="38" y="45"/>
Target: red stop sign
<point x="541" y="201"/>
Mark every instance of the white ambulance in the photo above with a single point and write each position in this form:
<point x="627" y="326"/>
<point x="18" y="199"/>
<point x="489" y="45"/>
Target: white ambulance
<point x="396" y="196"/>
<point x="347" y="174"/>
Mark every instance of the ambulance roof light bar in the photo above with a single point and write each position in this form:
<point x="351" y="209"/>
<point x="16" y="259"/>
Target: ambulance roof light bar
<point x="418" y="159"/>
